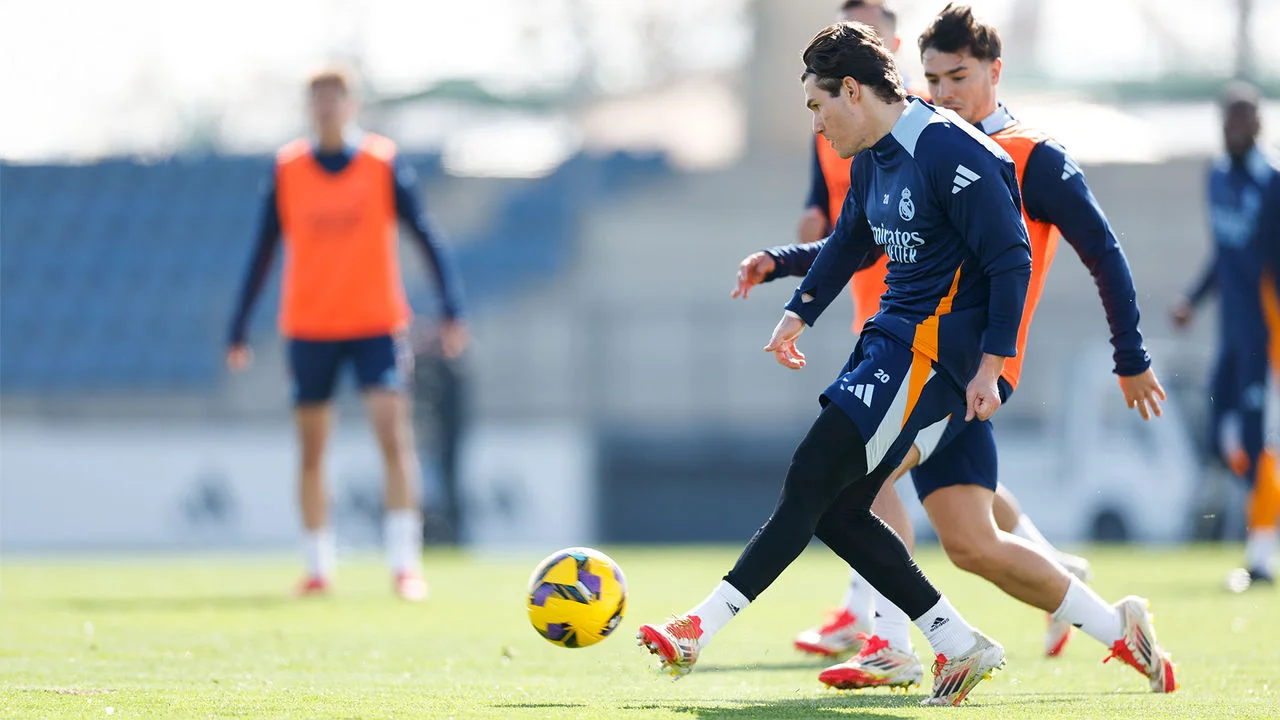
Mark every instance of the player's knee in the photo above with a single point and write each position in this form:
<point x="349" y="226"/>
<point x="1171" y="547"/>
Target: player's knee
<point x="969" y="553"/>
<point x="812" y="479"/>
<point x="843" y="520"/>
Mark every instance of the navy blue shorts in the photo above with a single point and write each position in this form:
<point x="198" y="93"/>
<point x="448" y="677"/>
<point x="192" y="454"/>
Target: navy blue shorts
<point x="956" y="452"/>
<point x="380" y="363"/>
<point x="891" y="392"/>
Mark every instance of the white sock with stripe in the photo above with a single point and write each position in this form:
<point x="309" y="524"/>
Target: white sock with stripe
<point x="948" y="633"/>
<point x="717" y="610"/>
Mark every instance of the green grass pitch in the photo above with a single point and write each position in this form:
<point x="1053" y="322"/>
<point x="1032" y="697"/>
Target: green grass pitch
<point x="213" y="638"/>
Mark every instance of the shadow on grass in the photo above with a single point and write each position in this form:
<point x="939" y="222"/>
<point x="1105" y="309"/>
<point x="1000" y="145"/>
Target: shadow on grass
<point x="798" y="708"/>
<point x="814" y="665"/>
<point x="860" y="705"/>
<point x="540" y="705"/>
<point x="82" y="692"/>
<point x="1063" y="697"/>
<point x="177" y="604"/>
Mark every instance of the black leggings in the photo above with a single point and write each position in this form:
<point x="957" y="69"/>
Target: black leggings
<point x="828" y="493"/>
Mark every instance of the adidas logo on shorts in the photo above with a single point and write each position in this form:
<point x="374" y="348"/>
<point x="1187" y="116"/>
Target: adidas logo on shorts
<point x="863" y="393"/>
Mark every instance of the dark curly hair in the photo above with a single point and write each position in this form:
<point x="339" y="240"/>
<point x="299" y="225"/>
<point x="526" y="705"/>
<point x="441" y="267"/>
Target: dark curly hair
<point x="955" y="30"/>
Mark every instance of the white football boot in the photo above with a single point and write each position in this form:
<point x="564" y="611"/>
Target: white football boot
<point x="877" y="664"/>
<point x="953" y="678"/>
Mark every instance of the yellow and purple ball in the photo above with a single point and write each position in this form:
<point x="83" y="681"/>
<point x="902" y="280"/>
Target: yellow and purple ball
<point x="576" y="597"/>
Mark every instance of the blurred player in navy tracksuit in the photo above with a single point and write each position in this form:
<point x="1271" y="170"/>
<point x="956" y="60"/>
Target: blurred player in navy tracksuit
<point x="1244" y="211"/>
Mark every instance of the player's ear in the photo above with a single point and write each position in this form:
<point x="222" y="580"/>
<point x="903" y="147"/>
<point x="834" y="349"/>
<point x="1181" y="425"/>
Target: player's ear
<point x="894" y="44"/>
<point x="996" y="66"/>
<point x="851" y="88"/>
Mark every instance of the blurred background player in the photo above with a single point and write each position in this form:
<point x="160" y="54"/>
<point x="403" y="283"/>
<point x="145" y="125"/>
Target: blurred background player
<point x="336" y="199"/>
<point x="957" y="485"/>
<point x="441" y="413"/>
<point x="1244" y="211"/>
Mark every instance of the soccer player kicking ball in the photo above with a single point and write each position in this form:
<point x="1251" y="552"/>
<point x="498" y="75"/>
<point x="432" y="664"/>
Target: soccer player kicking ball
<point x="336" y="200"/>
<point x="957" y="484"/>
<point x="959" y="264"/>
<point x="861" y="611"/>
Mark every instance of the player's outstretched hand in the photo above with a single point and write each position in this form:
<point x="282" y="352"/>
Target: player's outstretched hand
<point x="239" y="357"/>
<point x="752" y="271"/>
<point x="783" y="342"/>
<point x="982" y="397"/>
<point x="1144" y="393"/>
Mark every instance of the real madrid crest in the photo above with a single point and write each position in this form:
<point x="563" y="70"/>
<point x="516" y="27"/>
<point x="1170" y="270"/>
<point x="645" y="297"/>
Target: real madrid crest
<point x="906" y="208"/>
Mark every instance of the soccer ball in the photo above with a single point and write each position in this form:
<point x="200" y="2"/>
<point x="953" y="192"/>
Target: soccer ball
<point x="576" y="597"/>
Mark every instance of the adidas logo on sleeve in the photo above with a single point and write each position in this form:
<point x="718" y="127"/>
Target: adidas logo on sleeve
<point x="1070" y="169"/>
<point x="963" y="179"/>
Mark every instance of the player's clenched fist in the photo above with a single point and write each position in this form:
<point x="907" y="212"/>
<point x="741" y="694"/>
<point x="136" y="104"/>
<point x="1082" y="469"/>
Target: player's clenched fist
<point x="982" y="397"/>
<point x="752" y="271"/>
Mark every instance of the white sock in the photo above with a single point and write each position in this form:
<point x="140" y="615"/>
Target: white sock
<point x="1260" y="550"/>
<point x="318" y="547"/>
<point x="717" y="610"/>
<point x="892" y="625"/>
<point x="402" y="532"/>
<point x="948" y="634"/>
<point x="1028" y="531"/>
<point x="859" y="597"/>
<point x="1083" y="608"/>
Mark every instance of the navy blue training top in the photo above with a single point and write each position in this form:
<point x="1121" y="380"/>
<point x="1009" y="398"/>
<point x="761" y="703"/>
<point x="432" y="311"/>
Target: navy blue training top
<point x="1244" y="211"/>
<point x="1054" y="191"/>
<point x="941" y="200"/>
